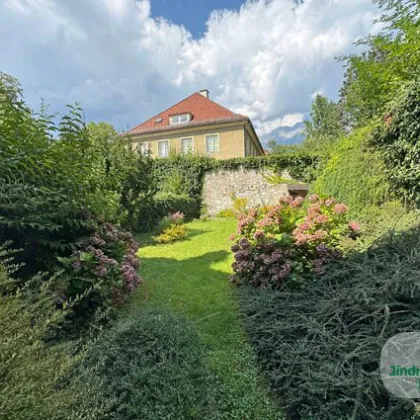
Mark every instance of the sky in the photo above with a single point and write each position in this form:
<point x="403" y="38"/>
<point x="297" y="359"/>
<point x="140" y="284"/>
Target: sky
<point x="126" y="60"/>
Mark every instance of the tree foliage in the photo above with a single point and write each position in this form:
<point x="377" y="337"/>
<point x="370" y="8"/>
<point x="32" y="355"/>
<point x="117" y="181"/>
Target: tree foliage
<point x="54" y="175"/>
<point x="326" y="125"/>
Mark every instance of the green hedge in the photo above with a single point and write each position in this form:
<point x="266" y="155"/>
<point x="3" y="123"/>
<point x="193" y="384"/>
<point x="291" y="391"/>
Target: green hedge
<point x="151" y="365"/>
<point x="398" y="140"/>
<point x="355" y="173"/>
<point x="184" y="174"/>
<point x="178" y="181"/>
<point x="320" y="347"/>
<point x="151" y="212"/>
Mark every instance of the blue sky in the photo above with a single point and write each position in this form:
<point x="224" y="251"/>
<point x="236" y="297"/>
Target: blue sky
<point x="192" y="14"/>
<point x="123" y="63"/>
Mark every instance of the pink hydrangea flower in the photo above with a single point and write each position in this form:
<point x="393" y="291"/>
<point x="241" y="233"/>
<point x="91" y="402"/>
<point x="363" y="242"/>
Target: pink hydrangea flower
<point x="259" y="234"/>
<point x="319" y="234"/>
<point x="297" y="202"/>
<point x="354" y="226"/>
<point x="267" y="221"/>
<point x="314" y="210"/>
<point x="329" y="202"/>
<point x="301" y="238"/>
<point x="287" y="199"/>
<point x="313" y="198"/>
<point x="322" y="218"/>
<point x="340" y="208"/>
<point x="305" y="226"/>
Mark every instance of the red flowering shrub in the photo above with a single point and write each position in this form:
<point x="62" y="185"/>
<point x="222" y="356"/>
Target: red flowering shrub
<point x="289" y="240"/>
<point x="103" y="269"/>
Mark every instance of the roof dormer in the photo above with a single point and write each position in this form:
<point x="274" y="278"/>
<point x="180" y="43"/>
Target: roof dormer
<point x="180" y="118"/>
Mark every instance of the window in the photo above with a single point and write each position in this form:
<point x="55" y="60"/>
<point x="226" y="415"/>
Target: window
<point x="212" y="143"/>
<point x="143" y="148"/>
<point x="163" y="148"/>
<point x="180" y="119"/>
<point x="186" y="145"/>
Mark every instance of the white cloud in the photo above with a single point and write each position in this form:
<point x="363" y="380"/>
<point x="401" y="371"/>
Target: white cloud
<point x="266" y="60"/>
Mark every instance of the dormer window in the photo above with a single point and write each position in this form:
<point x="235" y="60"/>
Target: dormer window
<point x="180" y="119"/>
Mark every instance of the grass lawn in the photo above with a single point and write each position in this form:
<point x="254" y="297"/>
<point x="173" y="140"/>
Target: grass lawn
<point x="191" y="279"/>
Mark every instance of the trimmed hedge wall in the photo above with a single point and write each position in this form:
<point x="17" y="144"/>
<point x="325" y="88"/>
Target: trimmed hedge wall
<point x="151" y="212"/>
<point x="179" y="179"/>
<point x="191" y="169"/>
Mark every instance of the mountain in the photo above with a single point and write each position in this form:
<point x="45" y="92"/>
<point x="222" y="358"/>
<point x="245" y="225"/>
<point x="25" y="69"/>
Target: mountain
<point x="285" y="135"/>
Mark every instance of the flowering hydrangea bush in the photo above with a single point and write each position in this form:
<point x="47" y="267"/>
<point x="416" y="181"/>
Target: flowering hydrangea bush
<point x="289" y="240"/>
<point x="103" y="268"/>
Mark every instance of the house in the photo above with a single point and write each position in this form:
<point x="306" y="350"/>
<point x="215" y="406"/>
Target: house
<point x="200" y="126"/>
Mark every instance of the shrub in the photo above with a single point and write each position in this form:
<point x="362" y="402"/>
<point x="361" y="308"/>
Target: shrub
<point x="398" y="140"/>
<point x="30" y="369"/>
<point x="54" y="176"/>
<point x="355" y="173"/>
<point x="226" y="214"/>
<point x="150" y="213"/>
<point x="239" y="207"/>
<point x="320" y="346"/>
<point x="103" y="269"/>
<point x="176" y="218"/>
<point x="173" y="233"/>
<point x="152" y="366"/>
<point x="287" y="241"/>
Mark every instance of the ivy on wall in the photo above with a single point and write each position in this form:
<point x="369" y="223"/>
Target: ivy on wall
<point x="184" y="174"/>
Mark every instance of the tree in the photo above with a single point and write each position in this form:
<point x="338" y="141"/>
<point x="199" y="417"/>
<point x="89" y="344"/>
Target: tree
<point x="390" y="61"/>
<point x="326" y="124"/>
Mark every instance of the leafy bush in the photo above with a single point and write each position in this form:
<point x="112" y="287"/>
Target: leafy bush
<point x="239" y="207"/>
<point x="286" y="241"/>
<point x="103" y="269"/>
<point x="173" y="233"/>
<point x="320" y="346"/>
<point x="31" y="370"/>
<point x="398" y="140"/>
<point x="226" y="214"/>
<point x="53" y="177"/>
<point x="152" y="366"/>
<point x="355" y="173"/>
<point x="150" y="213"/>
<point x="176" y="218"/>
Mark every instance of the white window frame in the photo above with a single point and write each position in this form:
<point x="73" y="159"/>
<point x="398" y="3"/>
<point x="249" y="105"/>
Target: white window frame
<point x="218" y="143"/>
<point x="158" y="150"/>
<point x="146" y="144"/>
<point x="192" y="144"/>
<point x="176" y="119"/>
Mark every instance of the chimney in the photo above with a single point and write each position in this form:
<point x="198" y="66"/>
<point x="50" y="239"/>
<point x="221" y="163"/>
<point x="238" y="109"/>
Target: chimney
<point x="205" y="93"/>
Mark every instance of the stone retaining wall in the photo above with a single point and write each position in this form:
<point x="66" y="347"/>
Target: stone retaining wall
<point x="249" y="183"/>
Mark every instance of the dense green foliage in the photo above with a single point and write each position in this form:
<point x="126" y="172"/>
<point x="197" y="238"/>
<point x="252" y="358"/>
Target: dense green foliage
<point x="37" y="380"/>
<point x="355" y="173"/>
<point x="320" y="347"/>
<point x="54" y="177"/>
<point x="176" y="182"/>
<point x="390" y="60"/>
<point x="151" y="212"/>
<point x="398" y="141"/>
<point x="325" y="126"/>
<point x="152" y="366"/>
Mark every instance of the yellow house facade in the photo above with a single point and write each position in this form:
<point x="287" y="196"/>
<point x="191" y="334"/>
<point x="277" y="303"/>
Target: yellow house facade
<point x="199" y="126"/>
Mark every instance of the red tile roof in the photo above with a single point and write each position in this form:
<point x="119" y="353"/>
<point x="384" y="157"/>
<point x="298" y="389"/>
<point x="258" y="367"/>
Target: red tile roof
<point x="203" y="111"/>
